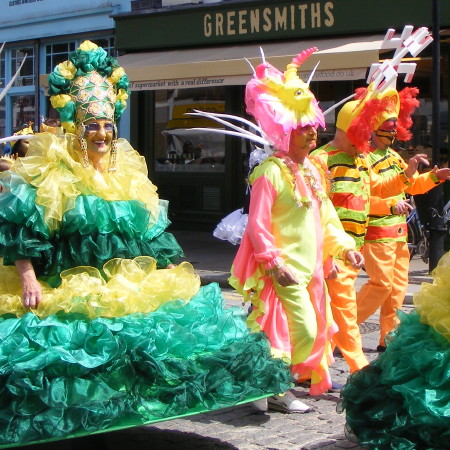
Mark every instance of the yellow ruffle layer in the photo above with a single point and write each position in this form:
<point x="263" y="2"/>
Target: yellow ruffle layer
<point x="131" y="286"/>
<point x="432" y="302"/>
<point x="54" y="166"/>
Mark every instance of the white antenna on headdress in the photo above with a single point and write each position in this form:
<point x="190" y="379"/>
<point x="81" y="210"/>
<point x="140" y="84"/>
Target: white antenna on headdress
<point x="240" y="132"/>
<point x="17" y="137"/>
<point x="217" y="117"/>
<point x="250" y="64"/>
<point x="332" y="108"/>
<point x="312" y="73"/>
<point x="253" y="137"/>
<point x="262" y="55"/>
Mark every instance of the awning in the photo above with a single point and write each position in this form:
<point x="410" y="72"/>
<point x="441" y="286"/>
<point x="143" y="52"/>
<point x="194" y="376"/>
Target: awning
<point x="340" y="59"/>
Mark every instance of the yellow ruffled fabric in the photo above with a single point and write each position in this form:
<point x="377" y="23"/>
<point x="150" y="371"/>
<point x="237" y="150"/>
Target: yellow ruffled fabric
<point x="432" y="302"/>
<point x="54" y="166"/>
<point x="131" y="286"/>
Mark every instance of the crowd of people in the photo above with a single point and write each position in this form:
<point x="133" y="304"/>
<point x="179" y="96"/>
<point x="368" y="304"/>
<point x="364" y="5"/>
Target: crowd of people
<point x="100" y="325"/>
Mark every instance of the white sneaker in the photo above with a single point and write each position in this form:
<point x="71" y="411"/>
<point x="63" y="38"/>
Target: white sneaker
<point x="287" y="403"/>
<point x="260" y="405"/>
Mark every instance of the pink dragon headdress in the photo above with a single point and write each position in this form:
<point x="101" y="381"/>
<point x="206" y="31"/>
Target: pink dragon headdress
<point x="281" y="102"/>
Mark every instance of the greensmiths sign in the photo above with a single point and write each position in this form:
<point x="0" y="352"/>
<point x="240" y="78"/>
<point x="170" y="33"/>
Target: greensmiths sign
<point x="267" y="19"/>
<point x="249" y="21"/>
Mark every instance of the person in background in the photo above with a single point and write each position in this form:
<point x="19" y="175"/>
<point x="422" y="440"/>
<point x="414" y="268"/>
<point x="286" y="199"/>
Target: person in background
<point x="5" y="164"/>
<point x="20" y="147"/>
<point x="352" y="185"/>
<point x="386" y="250"/>
<point x="51" y="125"/>
<point x="292" y="228"/>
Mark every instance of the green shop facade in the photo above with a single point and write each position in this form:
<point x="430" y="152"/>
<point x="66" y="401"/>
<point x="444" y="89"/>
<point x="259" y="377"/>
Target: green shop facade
<point x="188" y="58"/>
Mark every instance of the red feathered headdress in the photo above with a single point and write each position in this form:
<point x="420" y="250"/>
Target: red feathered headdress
<point x="360" y="117"/>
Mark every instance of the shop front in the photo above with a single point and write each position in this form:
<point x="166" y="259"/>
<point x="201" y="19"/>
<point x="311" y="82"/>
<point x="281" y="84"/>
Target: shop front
<point x="198" y="58"/>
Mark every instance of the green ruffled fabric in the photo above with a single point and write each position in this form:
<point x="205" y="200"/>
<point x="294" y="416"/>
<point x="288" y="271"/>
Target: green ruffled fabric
<point x="17" y="205"/>
<point x="92" y="233"/>
<point x="65" y="374"/>
<point x="402" y="399"/>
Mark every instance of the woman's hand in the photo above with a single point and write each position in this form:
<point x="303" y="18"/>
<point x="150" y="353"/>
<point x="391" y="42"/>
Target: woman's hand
<point x="31" y="289"/>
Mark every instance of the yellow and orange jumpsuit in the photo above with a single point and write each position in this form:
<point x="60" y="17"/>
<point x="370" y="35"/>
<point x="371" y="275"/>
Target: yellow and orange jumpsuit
<point x="351" y="191"/>
<point x="385" y="249"/>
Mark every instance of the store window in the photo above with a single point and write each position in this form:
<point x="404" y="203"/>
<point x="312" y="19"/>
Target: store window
<point x="26" y="76"/>
<point x="57" y="53"/>
<point x="22" y="110"/>
<point x="178" y="146"/>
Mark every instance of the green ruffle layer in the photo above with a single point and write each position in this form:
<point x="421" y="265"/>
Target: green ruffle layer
<point x="402" y="399"/>
<point x="92" y="233"/>
<point x="66" y="374"/>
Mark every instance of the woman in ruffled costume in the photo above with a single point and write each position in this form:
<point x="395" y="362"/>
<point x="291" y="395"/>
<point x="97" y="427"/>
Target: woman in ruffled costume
<point x="292" y="229"/>
<point x="401" y="400"/>
<point x="93" y="336"/>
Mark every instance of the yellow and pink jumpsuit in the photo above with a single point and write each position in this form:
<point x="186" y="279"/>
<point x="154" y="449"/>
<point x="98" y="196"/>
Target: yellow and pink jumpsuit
<point x="297" y="319"/>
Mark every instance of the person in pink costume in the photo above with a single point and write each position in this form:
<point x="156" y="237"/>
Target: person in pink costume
<point x="292" y="229"/>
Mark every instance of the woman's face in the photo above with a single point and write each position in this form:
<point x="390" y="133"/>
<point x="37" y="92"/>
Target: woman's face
<point x="99" y="134"/>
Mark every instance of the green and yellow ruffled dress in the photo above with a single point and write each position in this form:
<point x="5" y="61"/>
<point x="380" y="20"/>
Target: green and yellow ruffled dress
<point x="402" y="399"/>
<point x="115" y="342"/>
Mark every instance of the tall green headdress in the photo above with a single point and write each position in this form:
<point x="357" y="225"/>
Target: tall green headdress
<point x="89" y="85"/>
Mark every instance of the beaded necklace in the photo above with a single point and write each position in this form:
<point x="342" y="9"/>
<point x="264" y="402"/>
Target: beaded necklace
<point x="299" y="177"/>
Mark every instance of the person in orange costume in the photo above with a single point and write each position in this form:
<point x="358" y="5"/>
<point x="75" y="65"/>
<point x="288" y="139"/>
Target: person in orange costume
<point x="351" y="193"/>
<point x="386" y="249"/>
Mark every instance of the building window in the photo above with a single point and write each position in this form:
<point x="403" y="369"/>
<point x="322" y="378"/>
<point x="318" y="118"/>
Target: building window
<point x="57" y="53"/>
<point x="107" y="44"/>
<point x="178" y="148"/>
<point x="23" y="110"/>
<point x="26" y="76"/>
<point x="2" y="70"/>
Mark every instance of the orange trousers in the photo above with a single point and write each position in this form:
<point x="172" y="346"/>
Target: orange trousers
<point x="387" y="265"/>
<point x="343" y="307"/>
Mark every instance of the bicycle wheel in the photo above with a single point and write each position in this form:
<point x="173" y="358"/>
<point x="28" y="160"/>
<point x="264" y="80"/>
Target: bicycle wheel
<point x="413" y="238"/>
